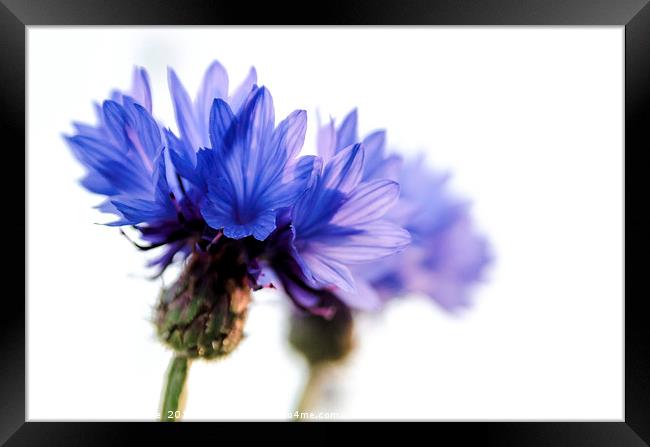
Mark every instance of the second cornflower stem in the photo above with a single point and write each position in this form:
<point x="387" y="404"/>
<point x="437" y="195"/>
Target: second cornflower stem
<point x="311" y="392"/>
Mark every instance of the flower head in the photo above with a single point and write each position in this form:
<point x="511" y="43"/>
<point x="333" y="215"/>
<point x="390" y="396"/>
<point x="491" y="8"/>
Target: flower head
<point x="252" y="170"/>
<point x="193" y="117"/>
<point x="127" y="162"/>
<point x="233" y="180"/>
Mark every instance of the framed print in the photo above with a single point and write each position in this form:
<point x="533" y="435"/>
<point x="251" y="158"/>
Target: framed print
<point x="406" y="213"/>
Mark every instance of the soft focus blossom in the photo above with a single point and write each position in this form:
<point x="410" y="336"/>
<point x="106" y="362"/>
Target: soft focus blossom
<point x="447" y="256"/>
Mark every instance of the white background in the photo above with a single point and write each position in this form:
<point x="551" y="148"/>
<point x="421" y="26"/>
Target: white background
<point x="529" y="120"/>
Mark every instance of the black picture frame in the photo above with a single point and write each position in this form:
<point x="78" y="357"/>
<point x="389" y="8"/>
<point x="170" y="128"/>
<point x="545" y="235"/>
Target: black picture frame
<point x="16" y="15"/>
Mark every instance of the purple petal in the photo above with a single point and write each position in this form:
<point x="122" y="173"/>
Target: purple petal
<point x="236" y="100"/>
<point x="324" y="271"/>
<point x="107" y="207"/>
<point x="368" y="202"/>
<point x="347" y="133"/>
<point x="98" y="184"/>
<point x="302" y="296"/>
<point x="140" y="89"/>
<point x="374" y="145"/>
<point x="289" y="136"/>
<point x="145" y="137"/>
<point x="326" y="144"/>
<point x="221" y="120"/>
<point x="116" y="121"/>
<point x="344" y="171"/>
<point x="278" y="183"/>
<point x="111" y="164"/>
<point x="389" y="169"/>
<point x="364" y="298"/>
<point x="257" y="120"/>
<point x="373" y="241"/>
<point x="297" y="178"/>
<point x="225" y="214"/>
<point x="183" y="157"/>
<point x="136" y="211"/>
<point x="184" y="111"/>
<point x="215" y="85"/>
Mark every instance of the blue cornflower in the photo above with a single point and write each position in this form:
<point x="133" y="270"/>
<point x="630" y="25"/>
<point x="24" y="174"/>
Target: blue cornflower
<point x="128" y="163"/>
<point x="446" y="256"/>
<point x="232" y="174"/>
<point x="232" y="196"/>
<point x="242" y="167"/>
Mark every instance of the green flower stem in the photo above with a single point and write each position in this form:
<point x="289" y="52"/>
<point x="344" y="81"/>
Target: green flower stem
<point x="172" y="399"/>
<point x="311" y="392"/>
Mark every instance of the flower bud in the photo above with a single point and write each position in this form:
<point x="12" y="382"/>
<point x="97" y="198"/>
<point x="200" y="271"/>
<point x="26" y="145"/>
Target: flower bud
<point x="323" y="339"/>
<point x="203" y="313"/>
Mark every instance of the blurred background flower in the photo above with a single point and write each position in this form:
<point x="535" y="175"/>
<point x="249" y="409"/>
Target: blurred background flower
<point x="443" y="261"/>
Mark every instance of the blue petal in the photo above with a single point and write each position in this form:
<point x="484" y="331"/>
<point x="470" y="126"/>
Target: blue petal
<point x="220" y="214"/>
<point x="139" y="209"/>
<point x="252" y="174"/>
<point x="136" y="211"/>
<point x="184" y="111"/>
<point x="298" y="177"/>
<point x="117" y="169"/>
<point x="289" y="136"/>
<point x="89" y="131"/>
<point x="162" y="190"/>
<point x="206" y="168"/>
<point x="221" y="121"/>
<point x="273" y="178"/>
<point x="364" y="298"/>
<point x="98" y="184"/>
<point x="256" y="122"/>
<point x="344" y="171"/>
<point x="215" y="85"/>
<point x="146" y="140"/>
<point x="389" y="168"/>
<point x="236" y="100"/>
<point x="347" y="133"/>
<point x="326" y="144"/>
<point x="373" y="241"/>
<point x="116" y="121"/>
<point x="368" y="202"/>
<point x="107" y="207"/>
<point x="373" y="145"/>
<point x="141" y="90"/>
<point x="324" y="271"/>
<point x="314" y="209"/>
<point x="183" y="157"/>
